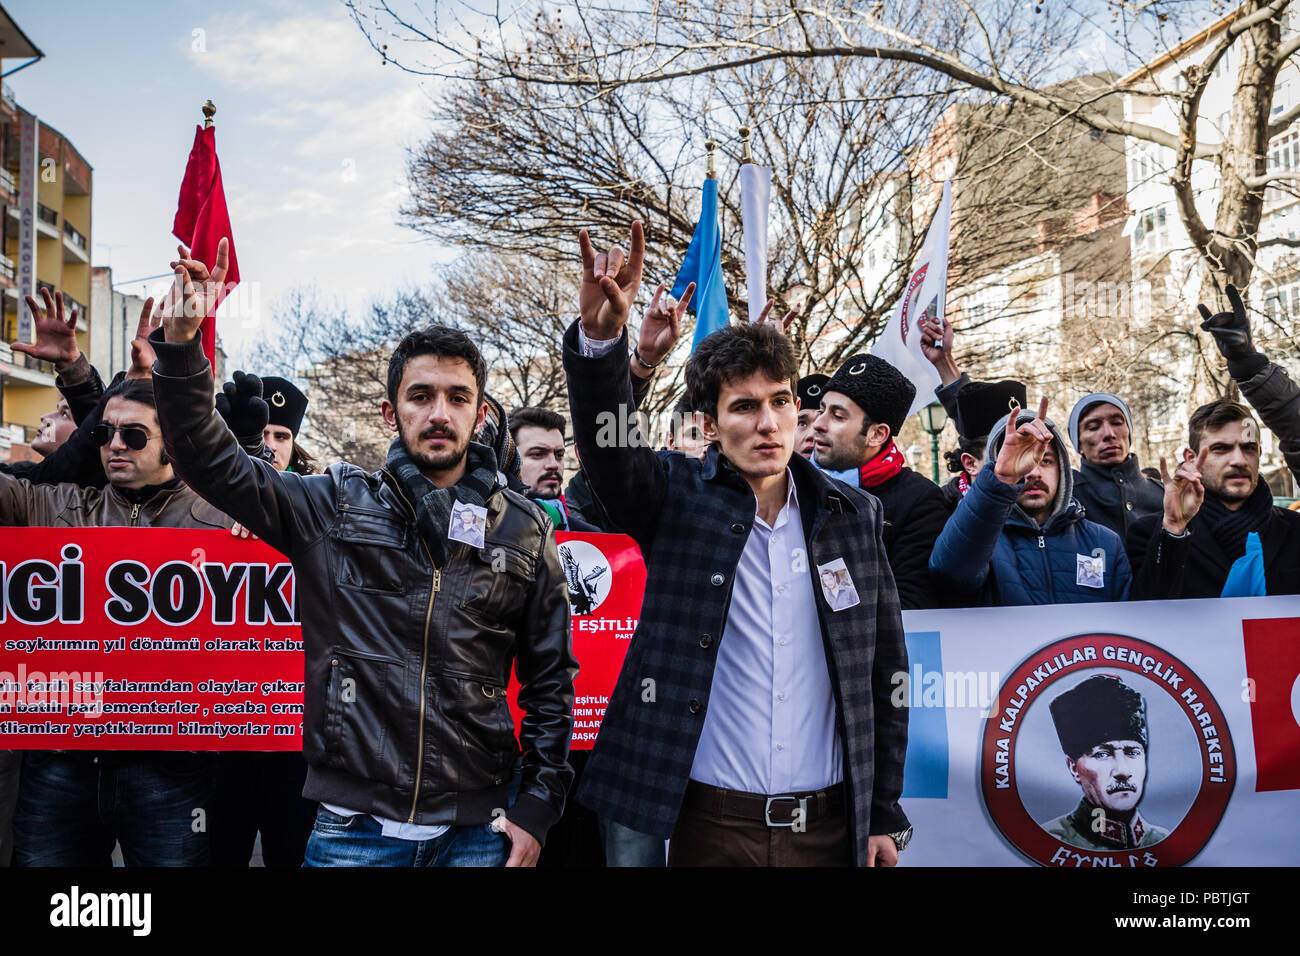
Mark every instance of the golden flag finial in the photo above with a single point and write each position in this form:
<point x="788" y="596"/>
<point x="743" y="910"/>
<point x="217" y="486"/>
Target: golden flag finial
<point x="746" y="154"/>
<point x="710" y="146"/>
<point x="208" y="112"/>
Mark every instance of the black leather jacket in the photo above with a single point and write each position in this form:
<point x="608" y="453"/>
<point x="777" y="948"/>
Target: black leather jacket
<point x="406" y="664"/>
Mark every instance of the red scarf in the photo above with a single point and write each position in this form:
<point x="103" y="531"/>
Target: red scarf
<point x="881" y="468"/>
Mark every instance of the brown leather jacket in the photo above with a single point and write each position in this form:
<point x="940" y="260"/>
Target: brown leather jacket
<point x="172" y="505"/>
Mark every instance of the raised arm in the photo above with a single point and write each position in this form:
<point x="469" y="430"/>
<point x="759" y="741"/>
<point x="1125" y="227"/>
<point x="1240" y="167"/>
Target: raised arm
<point x="1158" y="552"/>
<point x="625" y="474"/>
<point x="1265" y="384"/>
<point x="287" y="511"/>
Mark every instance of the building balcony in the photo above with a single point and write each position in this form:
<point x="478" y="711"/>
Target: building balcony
<point x="75" y="246"/>
<point x="6" y="268"/>
<point x="19" y="368"/>
<point x="8" y="182"/>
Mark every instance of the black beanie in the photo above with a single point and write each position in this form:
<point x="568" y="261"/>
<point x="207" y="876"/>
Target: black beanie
<point x="810" y="389"/>
<point x="875" y="386"/>
<point x="981" y="404"/>
<point x="1097" y="710"/>
<point x="287" y="404"/>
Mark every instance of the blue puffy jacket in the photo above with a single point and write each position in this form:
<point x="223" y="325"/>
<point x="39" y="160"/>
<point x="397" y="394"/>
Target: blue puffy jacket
<point x="991" y="553"/>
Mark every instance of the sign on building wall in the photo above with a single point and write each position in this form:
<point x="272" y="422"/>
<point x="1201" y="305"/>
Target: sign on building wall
<point x="28" y="170"/>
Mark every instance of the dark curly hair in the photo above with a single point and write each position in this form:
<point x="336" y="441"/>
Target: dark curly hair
<point x="535" y="418"/>
<point x="733" y="353"/>
<point x="436" y="340"/>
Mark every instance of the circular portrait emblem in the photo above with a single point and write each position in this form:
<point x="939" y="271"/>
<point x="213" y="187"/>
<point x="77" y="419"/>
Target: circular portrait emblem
<point x="587" y="574"/>
<point x="1105" y="750"/>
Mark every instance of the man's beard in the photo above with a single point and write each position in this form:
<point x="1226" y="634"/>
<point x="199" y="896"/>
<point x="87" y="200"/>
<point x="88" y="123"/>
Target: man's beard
<point x="442" y="461"/>
<point x="1220" y="489"/>
<point x="836" y="459"/>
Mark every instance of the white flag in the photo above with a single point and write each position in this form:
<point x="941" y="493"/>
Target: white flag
<point x="900" y="343"/>
<point x="755" y="192"/>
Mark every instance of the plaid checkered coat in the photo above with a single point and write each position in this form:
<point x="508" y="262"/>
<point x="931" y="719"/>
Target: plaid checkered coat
<point x="691" y="521"/>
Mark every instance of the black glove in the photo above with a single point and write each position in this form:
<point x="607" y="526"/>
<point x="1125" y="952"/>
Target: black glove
<point x="1231" y="331"/>
<point x="241" y="404"/>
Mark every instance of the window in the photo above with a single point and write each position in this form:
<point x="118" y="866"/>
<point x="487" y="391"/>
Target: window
<point x="1284" y="157"/>
<point x="1152" y="231"/>
<point x="1282" y="302"/>
<point x="1148" y="162"/>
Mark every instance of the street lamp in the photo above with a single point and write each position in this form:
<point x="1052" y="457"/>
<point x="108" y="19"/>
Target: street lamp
<point x="933" y="420"/>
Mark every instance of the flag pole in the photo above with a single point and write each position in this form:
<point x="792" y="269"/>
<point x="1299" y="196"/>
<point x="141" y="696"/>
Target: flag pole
<point x="747" y="154"/>
<point x="710" y="146"/>
<point x="208" y="112"/>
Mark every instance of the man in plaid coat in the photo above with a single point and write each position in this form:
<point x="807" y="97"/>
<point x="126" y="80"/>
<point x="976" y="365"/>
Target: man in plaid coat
<point x="752" y="721"/>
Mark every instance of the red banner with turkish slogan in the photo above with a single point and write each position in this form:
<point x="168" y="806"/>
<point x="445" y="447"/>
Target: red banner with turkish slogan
<point x="147" y="639"/>
<point x="605" y="575"/>
<point x="167" y="639"/>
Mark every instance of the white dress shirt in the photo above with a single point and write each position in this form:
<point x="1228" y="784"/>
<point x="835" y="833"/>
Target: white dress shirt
<point x="769" y="726"/>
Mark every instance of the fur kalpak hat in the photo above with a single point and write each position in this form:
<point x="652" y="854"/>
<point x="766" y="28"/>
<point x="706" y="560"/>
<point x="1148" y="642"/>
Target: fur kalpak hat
<point x="875" y="386"/>
<point x="810" y="389"/>
<point x="287" y="404"/>
<point x="980" y="404"/>
<point x="1099" y="709"/>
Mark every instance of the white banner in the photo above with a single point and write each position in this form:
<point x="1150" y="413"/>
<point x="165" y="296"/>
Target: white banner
<point x="899" y="343"/>
<point x="755" y="193"/>
<point x="1140" y="734"/>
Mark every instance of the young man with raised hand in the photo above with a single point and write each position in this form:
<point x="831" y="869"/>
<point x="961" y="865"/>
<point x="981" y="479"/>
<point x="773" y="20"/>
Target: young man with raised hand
<point x="1018" y="537"/>
<point x="1219" y="534"/>
<point x="421" y="586"/>
<point x="751" y="721"/>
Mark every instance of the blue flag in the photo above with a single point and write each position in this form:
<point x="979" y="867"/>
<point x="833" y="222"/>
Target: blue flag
<point x="703" y="266"/>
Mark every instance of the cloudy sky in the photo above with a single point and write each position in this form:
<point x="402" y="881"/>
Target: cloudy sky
<point x="312" y="132"/>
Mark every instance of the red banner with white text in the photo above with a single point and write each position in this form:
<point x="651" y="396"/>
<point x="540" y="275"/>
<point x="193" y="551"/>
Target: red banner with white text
<point x="605" y="575"/>
<point x="163" y="639"/>
<point x="147" y="639"/>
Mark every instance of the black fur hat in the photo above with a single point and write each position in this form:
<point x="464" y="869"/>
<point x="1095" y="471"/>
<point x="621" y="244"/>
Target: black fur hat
<point x="810" y="389"/>
<point x="879" y="389"/>
<point x="981" y="404"/>
<point x="287" y="404"/>
<point x="1099" y="709"/>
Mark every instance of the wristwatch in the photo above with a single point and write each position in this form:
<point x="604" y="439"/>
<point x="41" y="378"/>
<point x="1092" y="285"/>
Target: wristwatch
<point x="901" y="838"/>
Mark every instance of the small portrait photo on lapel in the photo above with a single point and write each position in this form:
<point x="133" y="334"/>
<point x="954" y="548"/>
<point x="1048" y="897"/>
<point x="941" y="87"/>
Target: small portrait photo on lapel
<point x="837" y="586"/>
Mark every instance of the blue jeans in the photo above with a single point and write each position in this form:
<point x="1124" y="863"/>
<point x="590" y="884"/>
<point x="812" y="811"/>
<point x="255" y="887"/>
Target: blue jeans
<point x="359" y="841"/>
<point x="627" y="847"/>
<point x="72" y="810"/>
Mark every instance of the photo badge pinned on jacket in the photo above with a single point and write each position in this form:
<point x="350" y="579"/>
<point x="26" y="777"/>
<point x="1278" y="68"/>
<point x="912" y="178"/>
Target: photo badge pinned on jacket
<point x="837" y="585"/>
<point x="468" y="522"/>
<point x="1089" y="570"/>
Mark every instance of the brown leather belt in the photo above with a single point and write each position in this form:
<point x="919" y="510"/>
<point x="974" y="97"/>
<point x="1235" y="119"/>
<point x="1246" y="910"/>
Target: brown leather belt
<point x="782" y="810"/>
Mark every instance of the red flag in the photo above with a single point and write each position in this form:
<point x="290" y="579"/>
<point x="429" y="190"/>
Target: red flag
<point x="1273" y="665"/>
<point x="202" y="221"/>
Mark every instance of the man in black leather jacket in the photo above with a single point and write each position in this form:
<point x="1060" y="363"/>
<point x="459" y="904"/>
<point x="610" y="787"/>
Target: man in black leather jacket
<point x="420" y="586"/>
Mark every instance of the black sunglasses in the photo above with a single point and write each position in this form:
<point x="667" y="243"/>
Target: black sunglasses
<point x="134" y="437"/>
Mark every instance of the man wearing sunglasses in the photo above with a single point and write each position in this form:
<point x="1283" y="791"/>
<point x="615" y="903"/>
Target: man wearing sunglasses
<point x="73" y="806"/>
